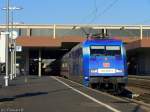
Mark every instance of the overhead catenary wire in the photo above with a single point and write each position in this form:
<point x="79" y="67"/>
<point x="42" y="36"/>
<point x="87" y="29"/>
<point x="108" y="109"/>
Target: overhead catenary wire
<point x="96" y="14"/>
<point x="95" y="7"/>
<point x="104" y="11"/>
<point x="92" y="12"/>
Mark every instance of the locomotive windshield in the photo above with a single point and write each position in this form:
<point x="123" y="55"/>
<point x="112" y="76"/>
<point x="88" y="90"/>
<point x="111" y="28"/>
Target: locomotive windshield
<point x="105" y="50"/>
<point x="113" y="50"/>
<point x="97" y="50"/>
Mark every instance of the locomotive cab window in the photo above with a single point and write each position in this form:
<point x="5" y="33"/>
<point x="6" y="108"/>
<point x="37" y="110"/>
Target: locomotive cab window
<point x="97" y="50"/>
<point x="113" y="50"/>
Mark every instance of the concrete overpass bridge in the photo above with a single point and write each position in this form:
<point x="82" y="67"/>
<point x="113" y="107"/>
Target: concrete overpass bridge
<point x="44" y="42"/>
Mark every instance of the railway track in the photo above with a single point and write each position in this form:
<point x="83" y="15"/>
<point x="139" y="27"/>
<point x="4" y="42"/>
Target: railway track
<point x="144" y="84"/>
<point x="144" y="97"/>
<point x="135" y="83"/>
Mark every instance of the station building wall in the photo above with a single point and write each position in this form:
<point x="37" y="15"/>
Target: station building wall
<point x="139" y="62"/>
<point x="144" y="63"/>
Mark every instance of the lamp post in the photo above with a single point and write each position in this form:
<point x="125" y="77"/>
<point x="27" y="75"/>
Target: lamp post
<point x="7" y="42"/>
<point x="15" y="35"/>
<point x="12" y="41"/>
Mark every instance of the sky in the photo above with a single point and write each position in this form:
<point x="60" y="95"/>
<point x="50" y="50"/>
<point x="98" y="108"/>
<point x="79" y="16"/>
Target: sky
<point x="114" y="12"/>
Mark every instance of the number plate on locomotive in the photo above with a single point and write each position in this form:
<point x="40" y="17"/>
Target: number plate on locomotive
<point x="106" y="70"/>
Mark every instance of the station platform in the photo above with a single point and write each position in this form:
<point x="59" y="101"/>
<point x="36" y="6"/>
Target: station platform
<point x="56" y="94"/>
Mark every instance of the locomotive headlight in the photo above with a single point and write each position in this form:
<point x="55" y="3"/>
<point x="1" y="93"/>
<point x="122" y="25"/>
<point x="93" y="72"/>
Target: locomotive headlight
<point x="94" y="70"/>
<point x="86" y="78"/>
<point x="118" y="71"/>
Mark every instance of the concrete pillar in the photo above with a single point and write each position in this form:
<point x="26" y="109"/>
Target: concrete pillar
<point x="26" y="62"/>
<point x="105" y="31"/>
<point x="11" y="64"/>
<point x="54" y="31"/>
<point x="28" y="32"/>
<point x="0" y="68"/>
<point x="40" y="63"/>
<point x="15" y="56"/>
<point x="141" y="32"/>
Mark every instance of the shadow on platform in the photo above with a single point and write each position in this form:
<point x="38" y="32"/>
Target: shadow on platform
<point x="32" y="94"/>
<point x="22" y="96"/>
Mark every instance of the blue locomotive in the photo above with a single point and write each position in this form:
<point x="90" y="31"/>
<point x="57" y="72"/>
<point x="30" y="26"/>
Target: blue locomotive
<point x="99" y="63"/>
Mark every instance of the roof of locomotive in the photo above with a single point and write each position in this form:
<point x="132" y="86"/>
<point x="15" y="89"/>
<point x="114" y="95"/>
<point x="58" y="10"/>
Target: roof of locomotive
<point x="102" y="42"/>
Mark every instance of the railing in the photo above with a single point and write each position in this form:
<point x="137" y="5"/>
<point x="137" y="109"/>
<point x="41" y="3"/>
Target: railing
<point x="54" y="30"/>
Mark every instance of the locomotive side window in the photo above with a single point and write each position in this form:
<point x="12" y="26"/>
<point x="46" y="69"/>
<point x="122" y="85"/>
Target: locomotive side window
<point x="97" y="50"/>
<point x="113" y="50"/>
